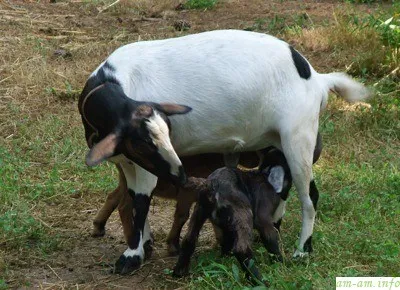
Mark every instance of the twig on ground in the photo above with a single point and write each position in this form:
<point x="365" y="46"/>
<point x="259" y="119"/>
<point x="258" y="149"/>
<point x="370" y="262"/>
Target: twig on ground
<point x="43" y="222"/>
<point x="55" y="273"/>
<point x="386" y="76"/>
<point x="107" y="7"/>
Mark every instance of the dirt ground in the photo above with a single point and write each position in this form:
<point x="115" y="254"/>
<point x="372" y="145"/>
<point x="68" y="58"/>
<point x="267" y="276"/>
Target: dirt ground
<point x="82" y="261"/>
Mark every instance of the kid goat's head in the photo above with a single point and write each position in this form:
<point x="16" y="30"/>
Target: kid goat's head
<point x="138" y="130"/>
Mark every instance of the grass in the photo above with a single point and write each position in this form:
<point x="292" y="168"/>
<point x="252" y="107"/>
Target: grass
<point x="46" y="189"/>
<point x="200" y="4"/>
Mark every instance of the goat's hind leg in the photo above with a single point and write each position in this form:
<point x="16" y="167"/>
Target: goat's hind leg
<point x="314" y="195"/>
<point x="298" y="147"/>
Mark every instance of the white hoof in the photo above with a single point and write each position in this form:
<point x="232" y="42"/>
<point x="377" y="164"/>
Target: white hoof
<point x="300" y="254"/>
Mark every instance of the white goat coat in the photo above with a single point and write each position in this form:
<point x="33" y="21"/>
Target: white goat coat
<point x="242" y="86"/>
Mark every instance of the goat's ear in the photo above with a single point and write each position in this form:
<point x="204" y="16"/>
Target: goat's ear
<point x="276" y="177"/>
<point x="102" y="150"/>
<point x="173" y="109"/>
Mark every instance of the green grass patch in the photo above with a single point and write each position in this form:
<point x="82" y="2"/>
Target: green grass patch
<point x="200" y="4"/>
<point x="42" y="164"/>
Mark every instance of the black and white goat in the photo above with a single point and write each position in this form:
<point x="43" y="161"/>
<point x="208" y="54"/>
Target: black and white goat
<point x="235" y="201"/>
<point x="239" y="90"/>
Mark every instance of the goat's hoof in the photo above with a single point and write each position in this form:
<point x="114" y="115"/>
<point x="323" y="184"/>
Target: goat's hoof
<point x="180" y="272"/>
<point x="300" y="254"/>
<point x="126" y="265"/>
<point x="148" y="249"/>
<point x="98" y="230"/>
<point x="173" y="249"/>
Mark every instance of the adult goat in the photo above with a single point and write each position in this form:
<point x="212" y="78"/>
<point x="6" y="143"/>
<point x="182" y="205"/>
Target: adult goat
<point x="240" y="91"/>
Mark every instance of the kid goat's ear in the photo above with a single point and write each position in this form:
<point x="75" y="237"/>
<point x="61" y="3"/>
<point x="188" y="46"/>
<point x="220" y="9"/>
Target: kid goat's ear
<point x="276" y="177"/>
<point x="102" y="150"/>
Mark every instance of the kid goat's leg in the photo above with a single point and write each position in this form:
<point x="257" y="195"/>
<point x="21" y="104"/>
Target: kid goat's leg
<point x="278" y="214"/>
<point x="111" y="203"/>
<point x="184" y="202"/>
<point x="140" y="185"/>
<point x="268" y="233"/>
<point x="201" y="213"/>
<point x="243" y="253"/>
<point x="298" y="147"/>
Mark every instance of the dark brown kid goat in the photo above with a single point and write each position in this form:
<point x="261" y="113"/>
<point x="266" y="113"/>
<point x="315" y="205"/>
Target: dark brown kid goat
<point x="235" y="201"/>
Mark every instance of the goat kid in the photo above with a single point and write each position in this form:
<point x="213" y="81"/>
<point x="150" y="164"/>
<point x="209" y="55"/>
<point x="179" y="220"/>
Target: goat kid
<point x="235" y="201"/>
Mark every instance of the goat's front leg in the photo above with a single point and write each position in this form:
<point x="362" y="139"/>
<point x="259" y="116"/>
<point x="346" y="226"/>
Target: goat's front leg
<point x="246" y="261"/>
<point x="243" y="253"/>
<point x="140" y="185"/>
<point x="239" y="228"/>
<point x="279" y="214"/>
<point x="270" y="238"/>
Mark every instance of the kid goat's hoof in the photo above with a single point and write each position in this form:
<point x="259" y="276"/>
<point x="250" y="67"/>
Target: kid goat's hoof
<point x="98" y="230"/>
<point x="173" y="249"/>
<point x="126" y="265"/>
<point x="180" y="272"/>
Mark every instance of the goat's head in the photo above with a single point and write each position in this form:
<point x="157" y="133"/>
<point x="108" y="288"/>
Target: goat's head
<point x="142" y="134"/>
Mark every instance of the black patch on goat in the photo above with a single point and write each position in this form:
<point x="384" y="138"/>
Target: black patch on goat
<point x="277" y="225"/>
<point x="308" y="245"/>
<point x="141" y="204"/>
<point x="101" y="77"/>
<point x="302" y="66"/>
<point x="109" y="67"/>
<point x="314" y="194"/>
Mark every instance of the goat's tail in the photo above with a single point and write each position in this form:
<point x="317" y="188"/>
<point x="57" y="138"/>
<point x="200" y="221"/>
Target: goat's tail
<point x="344" y="86"/>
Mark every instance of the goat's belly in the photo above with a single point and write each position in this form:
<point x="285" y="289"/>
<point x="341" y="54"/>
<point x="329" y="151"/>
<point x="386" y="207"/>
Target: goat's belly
<point x="225" y="144"/>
